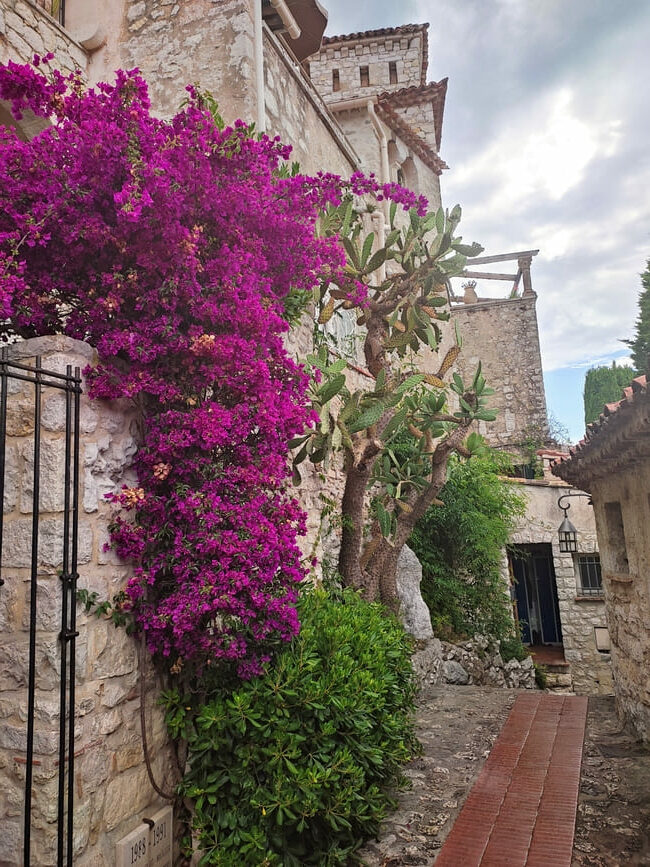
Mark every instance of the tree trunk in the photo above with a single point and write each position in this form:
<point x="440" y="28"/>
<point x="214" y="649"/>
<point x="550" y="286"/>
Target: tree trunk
<point x="381" y="568"/>
<point x="356" y="482"/>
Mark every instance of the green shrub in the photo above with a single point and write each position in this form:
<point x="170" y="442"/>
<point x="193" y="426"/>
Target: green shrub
<point x="296" y="767"/>
<point x="513" y="648"/>
<point x="541" y="675"/>
<point x="460" y="545"/>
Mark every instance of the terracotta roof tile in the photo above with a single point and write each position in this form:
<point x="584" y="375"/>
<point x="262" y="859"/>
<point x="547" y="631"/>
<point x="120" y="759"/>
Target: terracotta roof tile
<point x="410" y="137"/>
<point x="404" y="30"/>
<point x="435" y="92"/>
<point x="620" y="436"/>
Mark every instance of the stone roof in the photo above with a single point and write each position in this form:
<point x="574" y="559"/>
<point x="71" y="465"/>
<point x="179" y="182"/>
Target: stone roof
<point x="404" y="30"/>
<point x="619" y="439"/>
<point x="435" y="92"/>
<point x="410" y="137"/>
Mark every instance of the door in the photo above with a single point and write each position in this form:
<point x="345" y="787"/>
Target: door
<point x="536" y="594"/>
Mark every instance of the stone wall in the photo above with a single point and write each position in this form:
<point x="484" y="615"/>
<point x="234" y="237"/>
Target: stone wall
<point x="111" y="784"/>
<point x="622" y="508"/>
<point x="296" y="113"/>
<point x="590" y="669"/>
<point x="503" y="335"/>
<point x="26" y="29"/>
<point x="376" y="53"/>
<point x="202" y="42"/>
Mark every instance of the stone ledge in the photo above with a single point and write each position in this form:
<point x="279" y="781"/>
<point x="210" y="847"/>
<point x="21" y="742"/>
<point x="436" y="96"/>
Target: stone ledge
<point x="619" y="577"/>
<point x="600" y="599"/>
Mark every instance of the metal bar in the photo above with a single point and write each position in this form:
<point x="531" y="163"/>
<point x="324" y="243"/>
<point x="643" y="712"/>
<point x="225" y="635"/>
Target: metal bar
<point x="43" y="381"/>
<point x="18" y="366"/>
<point x="65" y="581"/>
<point x="74" y="575"/>
<point x="3" y="434"/>
<point x="32" y="615"/>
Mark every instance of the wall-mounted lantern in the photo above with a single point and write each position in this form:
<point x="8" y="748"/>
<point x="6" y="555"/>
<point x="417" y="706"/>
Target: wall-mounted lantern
<point x="567" y="533"/>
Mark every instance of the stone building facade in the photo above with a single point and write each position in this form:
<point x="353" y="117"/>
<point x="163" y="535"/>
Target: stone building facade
<point x="375" y="83"/>
<point x="578" y="600"/>
<point x="612" y="462"/>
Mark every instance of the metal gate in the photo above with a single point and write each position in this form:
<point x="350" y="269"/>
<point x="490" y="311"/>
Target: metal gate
<point x="41" y="382"/>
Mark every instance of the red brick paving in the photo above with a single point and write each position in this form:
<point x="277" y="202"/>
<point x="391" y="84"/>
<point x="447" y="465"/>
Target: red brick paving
<point x="521" y="811"/>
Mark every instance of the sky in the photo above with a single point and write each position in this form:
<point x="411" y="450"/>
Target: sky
<point x="547" y="135"/>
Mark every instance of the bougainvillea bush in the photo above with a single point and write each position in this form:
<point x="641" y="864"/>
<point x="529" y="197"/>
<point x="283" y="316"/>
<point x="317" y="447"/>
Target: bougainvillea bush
<point x="176" y="248"/>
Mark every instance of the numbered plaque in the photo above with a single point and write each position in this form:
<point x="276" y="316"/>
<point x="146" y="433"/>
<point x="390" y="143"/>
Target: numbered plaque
<point x="161" y="838"/>
<point x="149" y="845"/>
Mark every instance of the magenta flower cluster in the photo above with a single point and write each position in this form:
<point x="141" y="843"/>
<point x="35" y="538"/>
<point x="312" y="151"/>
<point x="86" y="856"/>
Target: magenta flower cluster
<point x="170" y="246"/>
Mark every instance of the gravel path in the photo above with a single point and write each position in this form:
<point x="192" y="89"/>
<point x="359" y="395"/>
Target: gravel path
<point x="458" y="725"/>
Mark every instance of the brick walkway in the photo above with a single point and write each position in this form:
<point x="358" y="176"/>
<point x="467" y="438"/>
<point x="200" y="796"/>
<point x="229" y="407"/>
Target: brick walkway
<point x="521" y="811"/>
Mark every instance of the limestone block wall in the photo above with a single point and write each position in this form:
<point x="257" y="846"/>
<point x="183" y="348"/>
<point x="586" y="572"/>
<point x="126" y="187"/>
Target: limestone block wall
<point x="622" y="508"/>
<point x="590" y="669"/>
<point x="421" y="119"/>
<point x="27" y="29"/>
<point x="111" y="784"/>
<point x="503" y="335"/>
<point x="376" y="53"/>
<point x="176" y="43"/>
<point x="295" y="112"/>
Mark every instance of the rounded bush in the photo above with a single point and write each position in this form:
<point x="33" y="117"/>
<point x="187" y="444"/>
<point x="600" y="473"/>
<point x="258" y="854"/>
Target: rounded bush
<point x="296" y="766"/>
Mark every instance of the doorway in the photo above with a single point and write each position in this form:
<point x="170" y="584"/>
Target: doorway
<point x="536" y="598"/>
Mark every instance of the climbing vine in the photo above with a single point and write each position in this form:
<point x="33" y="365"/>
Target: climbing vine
<point x="179" y="249"/>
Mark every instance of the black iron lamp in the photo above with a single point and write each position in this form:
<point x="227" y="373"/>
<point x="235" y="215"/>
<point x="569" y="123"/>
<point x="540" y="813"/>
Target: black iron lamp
<point x="567" y="533"/>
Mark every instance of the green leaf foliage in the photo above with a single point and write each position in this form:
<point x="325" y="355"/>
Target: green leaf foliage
<point x="460" y="547"/>
<point x="604" y="385"/>
<point x="296" y="767"/>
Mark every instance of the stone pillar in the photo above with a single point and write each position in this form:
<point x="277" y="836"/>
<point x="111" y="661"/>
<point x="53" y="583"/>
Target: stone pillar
<point x="111" y="784"/>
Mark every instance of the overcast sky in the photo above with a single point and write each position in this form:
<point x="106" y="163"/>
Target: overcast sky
<point x="547" y="135"/>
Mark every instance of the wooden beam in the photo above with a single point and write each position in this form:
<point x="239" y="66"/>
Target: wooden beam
<point x="484" y="275"/>
<point x="502" y="257"/>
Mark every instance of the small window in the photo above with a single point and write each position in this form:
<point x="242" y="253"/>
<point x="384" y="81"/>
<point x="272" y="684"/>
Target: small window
<point x="392" y="71"/>
<point x="364" y="73"/>
<point x="336" y="80"/>
<point x="616" y="538"/>
<point x="591" y="579"/>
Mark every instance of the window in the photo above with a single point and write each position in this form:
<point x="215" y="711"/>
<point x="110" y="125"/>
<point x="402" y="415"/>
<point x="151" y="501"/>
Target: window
<point x="616" y="538"/>
<point x="591" y="580"/>
<point x="392" y="71"/>
<point x="336" y="80"/>
<point x="364" y="73"/>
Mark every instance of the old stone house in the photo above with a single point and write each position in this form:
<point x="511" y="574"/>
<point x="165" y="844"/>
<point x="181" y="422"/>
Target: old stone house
<point x="343" y="102"/>
<point x="612" y="462"/>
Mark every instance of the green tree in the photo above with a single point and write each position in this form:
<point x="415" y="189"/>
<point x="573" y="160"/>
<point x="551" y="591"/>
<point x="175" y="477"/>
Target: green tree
<point x="604" y="385"/>
<point x="398" y="294"/>
<point x="640" y="344"/>
<point x="460" y="545"/>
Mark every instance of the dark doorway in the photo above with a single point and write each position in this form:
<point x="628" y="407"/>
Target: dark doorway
<point x="536" y="594"/>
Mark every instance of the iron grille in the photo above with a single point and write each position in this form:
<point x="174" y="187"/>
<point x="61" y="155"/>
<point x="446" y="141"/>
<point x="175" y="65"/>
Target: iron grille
<point x="70" y="384"/>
